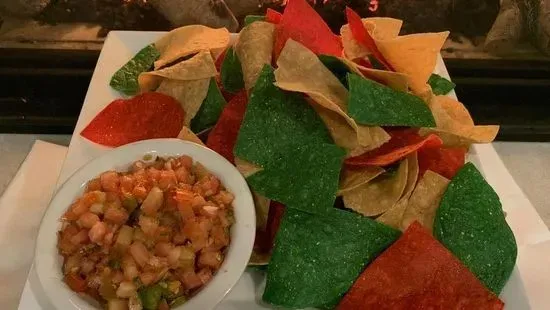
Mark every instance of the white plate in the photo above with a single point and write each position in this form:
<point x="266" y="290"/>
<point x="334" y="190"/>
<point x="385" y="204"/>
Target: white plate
<point x="527" y="288"/>
<point x="48" y="263"/>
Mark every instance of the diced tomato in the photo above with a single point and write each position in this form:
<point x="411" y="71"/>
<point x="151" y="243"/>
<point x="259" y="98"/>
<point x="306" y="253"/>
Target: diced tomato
<point x="116" y="215"/>
<point x="190" y="279"/>
<point x="210" y="259"/>
<point x="205" y="274"/>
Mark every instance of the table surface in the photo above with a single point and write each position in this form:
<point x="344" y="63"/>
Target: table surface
<point x="527" y="162"/>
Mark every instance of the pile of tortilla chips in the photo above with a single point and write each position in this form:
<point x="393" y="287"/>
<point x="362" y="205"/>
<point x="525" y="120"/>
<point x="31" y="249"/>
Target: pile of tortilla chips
<point x="345" y="140"/>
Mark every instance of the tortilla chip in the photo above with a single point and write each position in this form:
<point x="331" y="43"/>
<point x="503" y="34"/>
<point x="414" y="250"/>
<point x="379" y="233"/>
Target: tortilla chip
<point x="374" y="104"/>
<point x="455" y="125"/>
<point x="188" y="40"/>
<point x="273" y="16"/>
<point x="414" y="55"/>
<point x="443" y="161"/>
<point x="246" y="168"/>
<point x="300" y="22"/>
<point x="125" y="80"/>
<point x="187" y="135"/>
<point x="231" y="72"/>
<point x="352" y="178"/>
<point x="394" y="80"/>
<point x="379" y="195"/>
<point x="190" y="95"/>
<point x="364" y="38"/>
<point x="402" y="143"/>
<point x="317" y="257"/>
<point x="261" y="204"/>
<point x="417" y="272"/>
<point x="394" y="215"/>
<point x="210" y="109"/>
<point x="440" y="85"/>
<point x="223" y="136"/>
<point x="258" y="258"/>
<point x="300" y="70"/>
<point x="201" y="66"/>
<point x="380" y="28"/>
<point x="425" y="200"/>
<point x="254" y="49"/>
<point x="470" y="223"/>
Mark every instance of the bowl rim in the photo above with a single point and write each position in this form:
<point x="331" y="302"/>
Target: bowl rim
<point x="47" y="260"/>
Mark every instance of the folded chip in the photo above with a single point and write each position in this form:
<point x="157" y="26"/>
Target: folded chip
<point x="417" y="272"/>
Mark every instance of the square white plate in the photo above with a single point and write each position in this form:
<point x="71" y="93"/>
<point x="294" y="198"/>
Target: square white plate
<point x="530" y="282"/>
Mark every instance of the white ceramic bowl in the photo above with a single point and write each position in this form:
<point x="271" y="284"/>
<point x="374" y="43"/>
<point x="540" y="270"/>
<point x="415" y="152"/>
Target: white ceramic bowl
<point x="48" y="262"/>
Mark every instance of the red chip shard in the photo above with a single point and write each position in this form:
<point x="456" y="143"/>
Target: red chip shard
<point x="418" y="272"/>
<point x="223" y="137"/>
<point x="362" y="36"/>
<point x="301" y="23"/>
<point x="272" y="16"/>
<point x="402" y="143"/>
<point x="146" y="116"/>
<point x="444" y="161"/>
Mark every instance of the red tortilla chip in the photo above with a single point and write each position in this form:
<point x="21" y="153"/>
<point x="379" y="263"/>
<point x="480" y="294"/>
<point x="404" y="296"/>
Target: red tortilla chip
<point x="402" y="143"/>
<point x="147" y="116"/>
<point x="272" y="16"/>
<point x="276" y="212"/>
<point x="418" y="272"/>
<point x="444" y="161"/>
<point x="301" y="23"/>
<point x="363" y="37"/>
<point x="219" y="60"/>
<point x="223" y="137"/>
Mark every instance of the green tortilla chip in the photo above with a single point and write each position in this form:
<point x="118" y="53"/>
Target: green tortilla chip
<point x="337" y="67"/>
<point x="231" y="72"/>
<point x="210" y="110"/>
<point x="317" y="258"/>
<point x="285" y="136"/>
<point x="374" y="104"/>
<point x="440" y="85"/>
<point x="275" y="122"/>
<point x="305" y="177"/>
<point x="125" y="80"/>
<point x="470" y="222"/>
<point x="249" y="19"/>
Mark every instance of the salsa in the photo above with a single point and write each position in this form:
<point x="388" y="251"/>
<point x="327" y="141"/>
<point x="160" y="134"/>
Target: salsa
<point x="146" y="238"/>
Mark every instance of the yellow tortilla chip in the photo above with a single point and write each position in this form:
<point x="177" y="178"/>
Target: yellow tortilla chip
<point x="188" y="40"/>
<point x="395" y="80"/>
<point x="246" y="168"/>
<point x="425" y="200"/>
<point x="352" y="178"/>
<point x="259" y="259"/>
<point x="187" y="135"/>
<point x="455" y="125"/>
<point x="190" y="95"/>
<point x="414" y="55"/>
<point x="254" y="49"/>
<point x="394" y="215"/>
<point x="261" y="204"/>
<point x="300" y="70"/>
<point x="200" y="66"/>
<point x="380" y="28"/>
<point x="379" y="195"/>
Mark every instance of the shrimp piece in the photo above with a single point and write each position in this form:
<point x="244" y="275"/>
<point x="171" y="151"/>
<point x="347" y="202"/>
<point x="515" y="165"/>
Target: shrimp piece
<point x="197" y="233"/>
<point x="129" y="267"/>
<point x="97" y="232"/>
<point x="190" y="279"/>
<point x="93" y="185"/>
<point x="207" y="186"/>
<point x="163" y="249"/>
<point x="186" y="161"/>
<point x="140" y="192"/>
<point x="167" y="179"/>
<point x="149" y="225"/>
<point x="153" y="174"/>
<point x="79" y="208"/>
<point x="205" y="274"/>
<point x="109" y="181"/>
<point x="116" y="215"/>
<point x="183" y="175"/>
<point x="139" y="253"/>
<point x="223" y="198"/>
<point x="80" y="237"/>
<point x="153" y="202"/>
<point x="210" y="259"/>
<point x="127" y="184"/>
<point x="147" y="277"/>
<point x="87" y="220"/>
